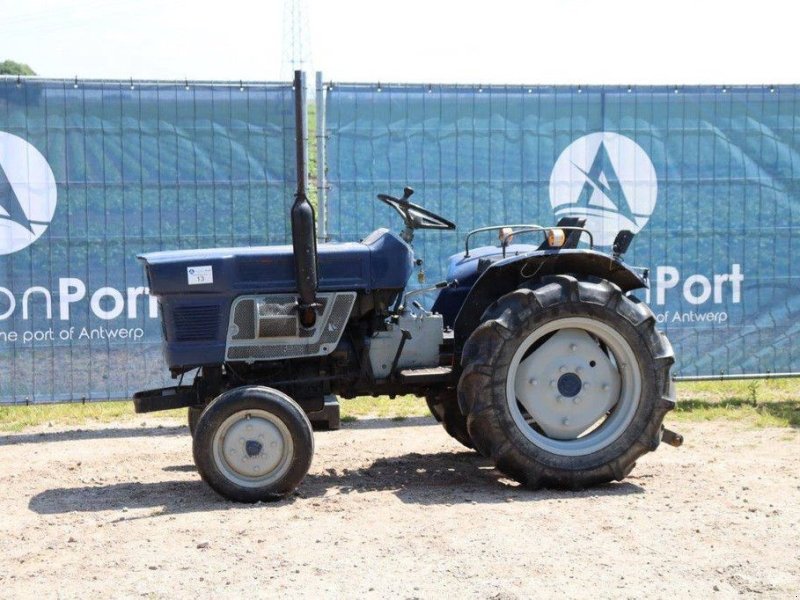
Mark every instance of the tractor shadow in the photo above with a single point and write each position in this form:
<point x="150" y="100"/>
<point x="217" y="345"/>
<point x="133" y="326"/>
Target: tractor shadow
<point x="442" y="478"/>
<point x="387" y="422"/>
<point x="166" y="497"/>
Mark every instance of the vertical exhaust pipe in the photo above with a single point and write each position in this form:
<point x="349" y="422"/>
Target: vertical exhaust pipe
<point x="304" y="231"/>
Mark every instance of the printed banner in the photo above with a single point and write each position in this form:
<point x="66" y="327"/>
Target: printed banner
<point x="94" y="173"/>
<point x="708" y="178"/>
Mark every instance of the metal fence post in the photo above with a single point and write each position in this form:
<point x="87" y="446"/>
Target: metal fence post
<point x="322" y="200"/>
<point x="301" y="81"/>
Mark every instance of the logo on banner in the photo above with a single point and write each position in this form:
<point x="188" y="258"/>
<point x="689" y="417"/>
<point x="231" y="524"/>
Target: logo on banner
<point x="27" y="194"/>
<point x="608" y="179"/>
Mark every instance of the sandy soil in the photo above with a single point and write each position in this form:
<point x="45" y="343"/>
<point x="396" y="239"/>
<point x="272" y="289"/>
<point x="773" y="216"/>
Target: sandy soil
<point x="395" y="510"/>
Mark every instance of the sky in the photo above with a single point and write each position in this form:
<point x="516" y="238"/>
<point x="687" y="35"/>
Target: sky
<point x="425" y="41"/>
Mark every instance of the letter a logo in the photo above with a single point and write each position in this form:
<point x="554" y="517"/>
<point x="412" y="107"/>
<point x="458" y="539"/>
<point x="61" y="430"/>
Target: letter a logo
<point x="608" y="179"/>
<point x="27" y="194"/>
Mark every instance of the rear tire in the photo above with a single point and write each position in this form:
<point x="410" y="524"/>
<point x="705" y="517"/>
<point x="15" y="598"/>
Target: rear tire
<point x="192" y="417"/>
<point x="444" y="408"/>
<point x="566" y="385"/>
<point x="253" y="443"/>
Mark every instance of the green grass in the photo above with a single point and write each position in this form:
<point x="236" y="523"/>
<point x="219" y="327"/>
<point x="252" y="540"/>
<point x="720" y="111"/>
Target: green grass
<point x="312" y="191"/>
<point x="758" y="403"/>
<point x="17" y="418"/>
<point x="384" y="407"/>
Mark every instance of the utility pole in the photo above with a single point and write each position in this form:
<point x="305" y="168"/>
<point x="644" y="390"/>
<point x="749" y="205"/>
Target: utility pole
<point x="296" y="38"/>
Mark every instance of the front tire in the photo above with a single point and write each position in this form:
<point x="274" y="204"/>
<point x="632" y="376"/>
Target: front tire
<point x="566" y="385"/>
<point x="253" y="443"/>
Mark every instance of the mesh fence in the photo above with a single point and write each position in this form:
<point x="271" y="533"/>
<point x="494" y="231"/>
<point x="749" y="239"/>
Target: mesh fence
<point x="94" y="173"/>
<point x="709" y="176"/>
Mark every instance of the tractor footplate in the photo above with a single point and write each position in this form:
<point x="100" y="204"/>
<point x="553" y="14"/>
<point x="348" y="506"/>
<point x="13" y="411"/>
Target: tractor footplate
<point x="164" y="399"/>
<point x="430" y="375"/>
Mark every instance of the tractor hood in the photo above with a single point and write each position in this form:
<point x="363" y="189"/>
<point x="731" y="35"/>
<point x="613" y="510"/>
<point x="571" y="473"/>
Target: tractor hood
<point x="380" y="261"/>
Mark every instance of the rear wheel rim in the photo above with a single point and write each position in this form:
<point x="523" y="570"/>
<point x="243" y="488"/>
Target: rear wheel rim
<point x="253" y="448"/>
<point x="573" y="386"/>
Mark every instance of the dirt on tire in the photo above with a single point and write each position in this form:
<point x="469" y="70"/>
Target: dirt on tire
<point x="395" y="509"/>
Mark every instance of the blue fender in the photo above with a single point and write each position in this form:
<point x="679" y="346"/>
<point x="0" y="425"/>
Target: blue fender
<point x="514" y="272"/>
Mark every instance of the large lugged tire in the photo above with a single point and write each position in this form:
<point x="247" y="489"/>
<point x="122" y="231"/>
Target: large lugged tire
<point x="253" y="443"/>
<point x="192" y="417"/>
<point x="566" y="384"/>
<point x="444" y="407"/>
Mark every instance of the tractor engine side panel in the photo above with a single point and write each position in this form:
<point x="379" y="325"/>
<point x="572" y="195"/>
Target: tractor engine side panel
<point x="194" y="329"/>
<point x="267" y="327"/>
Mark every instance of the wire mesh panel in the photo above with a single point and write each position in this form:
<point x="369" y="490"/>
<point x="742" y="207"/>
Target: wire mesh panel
<point x="94" y="173"/>
<point x="709" y="177"/>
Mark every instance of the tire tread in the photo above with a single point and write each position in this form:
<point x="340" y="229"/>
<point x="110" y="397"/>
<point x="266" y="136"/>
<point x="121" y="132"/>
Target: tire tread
<point x="481" y="397"/>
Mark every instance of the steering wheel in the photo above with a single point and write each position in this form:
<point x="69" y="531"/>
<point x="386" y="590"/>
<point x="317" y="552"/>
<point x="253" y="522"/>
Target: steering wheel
<point x="414" y="216"/>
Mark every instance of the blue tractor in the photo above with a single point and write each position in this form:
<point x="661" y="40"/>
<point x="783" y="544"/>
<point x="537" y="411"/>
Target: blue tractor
<point x="536" y="355"/>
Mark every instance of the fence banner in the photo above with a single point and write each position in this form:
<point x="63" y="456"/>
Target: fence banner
<point x="93" y="173"/>
<point x="709" y="177"/>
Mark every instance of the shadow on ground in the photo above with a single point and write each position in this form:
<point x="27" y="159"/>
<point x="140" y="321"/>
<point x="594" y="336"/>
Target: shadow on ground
<point x="385" y="422"/>
<point x="428" y="479"/>
<point x="441" y="478"/>
<point x="15" y="439"/>
<point x="172" y="497"/>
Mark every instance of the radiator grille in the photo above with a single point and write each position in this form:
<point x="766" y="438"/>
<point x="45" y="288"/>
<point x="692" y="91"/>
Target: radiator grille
<point x="244" y="320"/>
<point x="273" y="335"/>
<point x="196" y="323"/>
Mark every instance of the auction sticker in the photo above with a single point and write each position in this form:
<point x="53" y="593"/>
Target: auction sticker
<point x="200" y="275"/>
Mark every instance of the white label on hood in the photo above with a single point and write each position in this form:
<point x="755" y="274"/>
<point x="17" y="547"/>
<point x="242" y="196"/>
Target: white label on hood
<point x="200" y="275"/>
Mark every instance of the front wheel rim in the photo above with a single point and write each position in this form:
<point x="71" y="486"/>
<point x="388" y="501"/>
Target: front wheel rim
<point x="253" y="448"/>
<point x="573" y="386"/>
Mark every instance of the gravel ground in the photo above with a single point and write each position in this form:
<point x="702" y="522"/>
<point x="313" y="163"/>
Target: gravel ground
<point x="395" y="509"/>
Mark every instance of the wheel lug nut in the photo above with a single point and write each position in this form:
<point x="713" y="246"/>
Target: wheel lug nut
<point x="579" y="370"/>
<point x="553" y="383"/>
<point x="605" y="387"/>
<point x="586" y="384"/>
<point x="563" y="368"/>
<point x="565" y="421"/>
<point x="533" y="381"/>
<point x="559" y="399"/>
<point x="573" y="347"/>
<point x="576" y="400"/>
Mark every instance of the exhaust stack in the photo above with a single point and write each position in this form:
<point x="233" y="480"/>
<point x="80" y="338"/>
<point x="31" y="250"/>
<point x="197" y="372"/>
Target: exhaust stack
<point x="304" y="235"/>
